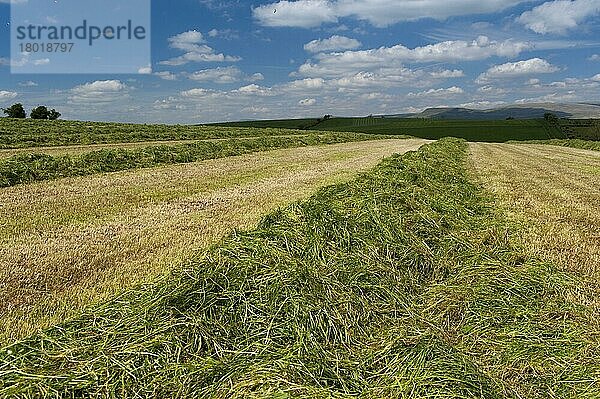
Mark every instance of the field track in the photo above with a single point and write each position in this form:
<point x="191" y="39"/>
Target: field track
<point x="554" y="193"/>
<point x="67" y="243"/>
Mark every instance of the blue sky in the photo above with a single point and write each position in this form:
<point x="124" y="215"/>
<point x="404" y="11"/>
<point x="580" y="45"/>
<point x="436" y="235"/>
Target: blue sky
<point x="216" y="60"/>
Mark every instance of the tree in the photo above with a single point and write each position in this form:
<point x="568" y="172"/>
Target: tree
<point x="53" y="114"/>
<point x="40" y="112"/>
<point x="15" y="111"/>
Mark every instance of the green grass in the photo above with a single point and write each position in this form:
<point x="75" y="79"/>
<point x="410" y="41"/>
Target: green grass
<point x="28" y="168"/>
<point x="18" y="133"/>
<point x="573" y="143"/>
<point x="400" y="284"/>
<point x="433" y="129"/>
<point x="584" y="129"/>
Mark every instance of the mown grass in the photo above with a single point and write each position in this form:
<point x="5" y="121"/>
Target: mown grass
<point x="25" y="133"/>
<point x="28" y="168"/>
<point x="70" y="243"/>
<point x="400" y="284"/>
<point x="572" y="143"/>
<point x="431" y="129"/>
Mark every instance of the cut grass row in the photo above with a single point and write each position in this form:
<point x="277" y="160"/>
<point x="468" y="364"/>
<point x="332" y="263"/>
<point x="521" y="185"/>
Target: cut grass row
<point x="572" y="143"/>
<point x="28" y="168"/>
<point x="17" y="133"/>
<point x="69" y="243"/>
<point x="400" y="284"/>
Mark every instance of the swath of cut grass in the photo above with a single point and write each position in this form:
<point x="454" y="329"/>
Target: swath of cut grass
<point x="572" y="143"/>
<point x="399" y="284"/>
<point x="29" y="133"/>
<point x="27" y="168"/>
<point x="69" y="243"/>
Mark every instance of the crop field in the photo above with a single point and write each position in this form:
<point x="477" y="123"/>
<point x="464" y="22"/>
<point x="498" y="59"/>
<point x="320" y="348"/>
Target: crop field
<point x="555" y="193"/>
<point x="16" y="133"/>
<point x="31" y="167"/>
<point x="294" y="264"/>
<point x="584" y="129"/>
<point x="572" y="143"/>
<point x="74" y="241"/>
<point x="432" y="129"/>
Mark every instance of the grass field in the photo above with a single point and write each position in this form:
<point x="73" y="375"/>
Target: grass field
<point x="406" y="282"/>
<point x="554" y="193"/>
<point x="572" y="143"/>
<point x="26" y="133"/>
<point x="67" y="243"/>
<point x="32" y="167"/>
<point x="584" y="129"/>
<point x="486" y="131"/>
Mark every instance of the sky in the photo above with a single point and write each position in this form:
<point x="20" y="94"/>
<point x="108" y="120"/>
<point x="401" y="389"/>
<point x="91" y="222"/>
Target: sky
<point x="223" y="60"/>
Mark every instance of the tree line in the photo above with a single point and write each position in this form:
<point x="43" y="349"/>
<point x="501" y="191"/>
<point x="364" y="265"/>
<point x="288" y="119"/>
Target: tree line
<point x="39" y="112"/>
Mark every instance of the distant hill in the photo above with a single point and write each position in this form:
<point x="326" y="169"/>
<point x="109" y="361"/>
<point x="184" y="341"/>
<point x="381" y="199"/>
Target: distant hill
<point x="518" y="111"/>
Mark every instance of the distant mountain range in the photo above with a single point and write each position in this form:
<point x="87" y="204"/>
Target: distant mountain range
<point x="518" y="111"/>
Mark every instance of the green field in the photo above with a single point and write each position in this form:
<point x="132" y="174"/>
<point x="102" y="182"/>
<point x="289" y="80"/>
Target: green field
<point x="584" y="129"/>
<point x="484" y="131"/>
<point x="24" y="133"/>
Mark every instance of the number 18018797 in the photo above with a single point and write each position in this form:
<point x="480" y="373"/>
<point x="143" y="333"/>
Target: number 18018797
<point x="46" y="47"/>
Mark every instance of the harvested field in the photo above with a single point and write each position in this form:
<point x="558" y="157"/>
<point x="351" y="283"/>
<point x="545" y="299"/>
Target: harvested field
<point x="65" y="244"/>
<point x="401" y="283"/>
<point x="554" y="194"/>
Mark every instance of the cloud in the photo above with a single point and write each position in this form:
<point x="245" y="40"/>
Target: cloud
<point x="99" y="91"/>
<point x="483" y="104"/>
<point x="166" y="75"/>
<point x="217" y="75"/>
<point x="595" y="57"/>
<point x="28" y="83"/>
<point x="451" y="91"/>
<point x="381" y="13"/>
<point x="192" y="43"/>
<point x="448" y="74"/>
<point x="517" y="69"/>
<point x="146" y="70"/>
<point x="227" y="34"/>
<point x="254" y="89"/>
<point x="42" y="61"/>
<point x="307" y="102"/>
<point x="302" y="14"/>
<point x="224" y="75"/>
<point x="334" y="43"/>
<point x="559" y="16"/>
<point x="336" y="64"/>
<point x="7" y="95"/>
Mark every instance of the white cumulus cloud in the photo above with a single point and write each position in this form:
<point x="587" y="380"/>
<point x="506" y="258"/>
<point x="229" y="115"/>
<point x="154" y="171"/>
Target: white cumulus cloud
<point x="533" y="66"/>
<point x="336" y="64"/>
<point x="559" y="16"/>
<point x="334" y="43"/>
<point x="195" y="50"/>
<point x="450" y="91"/>
<point x="381" y="13"/>
<point x="307" y="102"/>
<point x="99" y="91"/>
<point x="7" y="95"/>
